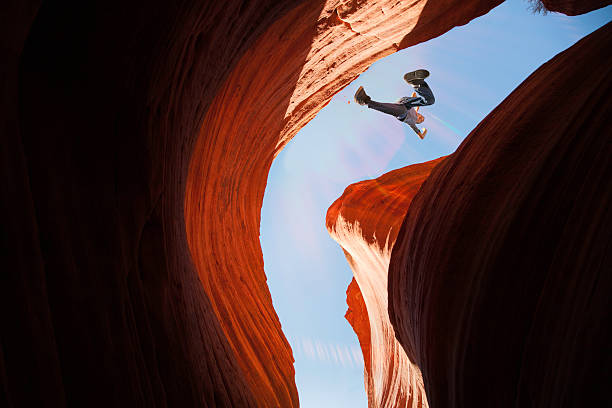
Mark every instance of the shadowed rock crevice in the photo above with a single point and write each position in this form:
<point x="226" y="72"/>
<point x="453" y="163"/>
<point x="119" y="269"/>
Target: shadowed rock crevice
<point x="499" y="280"/>
<point x="285" y="78"/>
<point x="117" y="278"/>
<point x="101" y="111"/>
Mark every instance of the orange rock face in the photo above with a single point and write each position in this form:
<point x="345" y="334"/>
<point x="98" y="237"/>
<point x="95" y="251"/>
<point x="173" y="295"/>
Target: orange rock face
<point x="365" y="221"/>
<point x="137" y="142"/>
<point x="282" y="81"/>
<point x="357" y="316"/>
<point x="499" y="281"/>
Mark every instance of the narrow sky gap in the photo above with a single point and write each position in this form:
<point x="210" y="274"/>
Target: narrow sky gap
<point x="473" y="68"/>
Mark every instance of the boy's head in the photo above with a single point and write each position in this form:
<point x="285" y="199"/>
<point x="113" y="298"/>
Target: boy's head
<point x="420" y="118"/>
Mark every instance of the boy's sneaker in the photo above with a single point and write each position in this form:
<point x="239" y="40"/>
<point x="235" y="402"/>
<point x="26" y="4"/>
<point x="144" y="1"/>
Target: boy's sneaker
<point x="361" y="97"/>
<point x="416" y="77"/>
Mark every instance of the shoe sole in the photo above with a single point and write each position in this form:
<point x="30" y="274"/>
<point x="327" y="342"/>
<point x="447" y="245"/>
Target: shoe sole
<point x="418" y="74"/>
<point x="358" y="95"/>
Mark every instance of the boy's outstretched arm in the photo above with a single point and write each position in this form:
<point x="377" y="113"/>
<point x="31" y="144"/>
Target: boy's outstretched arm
<point x="418" y="131"/>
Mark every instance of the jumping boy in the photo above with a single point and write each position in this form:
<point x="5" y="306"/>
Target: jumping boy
<point x="404" y="109"/>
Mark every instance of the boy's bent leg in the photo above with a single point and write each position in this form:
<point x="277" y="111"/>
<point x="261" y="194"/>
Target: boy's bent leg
<point x="395" y="109"/>
<point x="425" y="93"/>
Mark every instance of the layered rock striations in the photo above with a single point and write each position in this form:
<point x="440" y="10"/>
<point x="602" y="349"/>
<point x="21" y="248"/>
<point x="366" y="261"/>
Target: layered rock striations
<point x="280" y="83"/>
<point x="365" y="221"/>
<point x="137" y="141"/>
<point x="101" y="303"/>
<point x="499" y="281"/>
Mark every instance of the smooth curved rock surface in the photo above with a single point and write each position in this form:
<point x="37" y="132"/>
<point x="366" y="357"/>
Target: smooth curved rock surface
<point x="130" y="280"/>
<point x="284" y="79"/>
<point x="357" y="316"/>
<point x="365" y="221"/>
<point x="137" y="141"/>
<point x="499" y="281"/>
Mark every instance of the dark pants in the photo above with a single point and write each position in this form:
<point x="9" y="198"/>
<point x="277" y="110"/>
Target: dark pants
<point x="424" y="97"/>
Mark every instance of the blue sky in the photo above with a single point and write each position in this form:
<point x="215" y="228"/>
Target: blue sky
<point x="473" y="68"/>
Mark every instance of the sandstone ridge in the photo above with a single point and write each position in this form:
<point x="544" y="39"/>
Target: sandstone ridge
<point x="137" y="141"/>
<point x="499" y="280"/>
<point x="133" y="187"/>
<point x="365" y="221"/>
<point x="291" y="71"/>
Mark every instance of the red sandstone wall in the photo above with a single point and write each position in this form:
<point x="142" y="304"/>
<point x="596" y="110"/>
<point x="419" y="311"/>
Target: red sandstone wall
<point x="281" y="82"/>
<point x="357" y="316"/>
<point x="365" y="221"/>
<point x="102" y="103"/>
<point x="499" y="282"/>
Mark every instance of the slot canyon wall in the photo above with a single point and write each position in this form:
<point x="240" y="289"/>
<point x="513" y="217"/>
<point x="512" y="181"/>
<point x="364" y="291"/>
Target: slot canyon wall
<point x="280" y="83"/>
<point x="365" y="221"/>
<point x="499" y="281"/>
<point x="360" y="221"/>
<point x="137" y="138"/>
